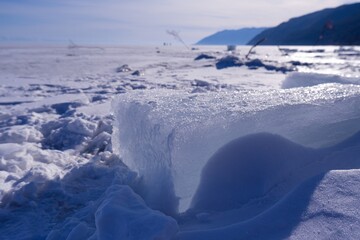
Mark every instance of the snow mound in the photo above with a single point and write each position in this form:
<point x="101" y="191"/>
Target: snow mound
<point x="248" y="168"/>
<point x="266" y="166"/>
<point x="323" y="207"/>
<point x="124" y="215"/>
<point x="297" y="79"/>
<point x="168" y="136"/>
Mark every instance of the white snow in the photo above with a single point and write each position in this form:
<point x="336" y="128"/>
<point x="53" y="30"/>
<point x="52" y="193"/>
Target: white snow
<point x="122" y="213"/>
<point x="323" y="207"/>
<point x="73" y="165"/>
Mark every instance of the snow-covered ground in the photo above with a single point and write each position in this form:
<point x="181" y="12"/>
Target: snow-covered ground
<point x="149" y="143"/>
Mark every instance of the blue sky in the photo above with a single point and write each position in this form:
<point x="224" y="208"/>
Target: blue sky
<point x="140" y="21"/>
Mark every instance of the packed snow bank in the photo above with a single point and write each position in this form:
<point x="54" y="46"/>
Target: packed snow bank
<point x="167" y="136"/>
<point x="297" y="79"/>
<point x="323" y="207"/>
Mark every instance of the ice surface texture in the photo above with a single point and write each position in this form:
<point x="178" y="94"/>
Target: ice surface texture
<point x="167" y="136"/>
<point x="296" y="79"/>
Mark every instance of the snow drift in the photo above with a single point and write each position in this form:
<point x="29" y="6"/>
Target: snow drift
<point x="323" y="207"/>
<point x="266" y="166"/>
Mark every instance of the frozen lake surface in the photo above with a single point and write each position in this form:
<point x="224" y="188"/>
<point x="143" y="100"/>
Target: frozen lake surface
<point x="149" y="143"/>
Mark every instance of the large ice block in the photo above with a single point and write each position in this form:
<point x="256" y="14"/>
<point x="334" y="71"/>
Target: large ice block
<point x="167" y="136"/>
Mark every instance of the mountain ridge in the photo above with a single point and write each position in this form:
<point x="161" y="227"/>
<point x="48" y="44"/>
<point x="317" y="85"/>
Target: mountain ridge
<point x="231" y="37"/>
<point x="330" y="26"/>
